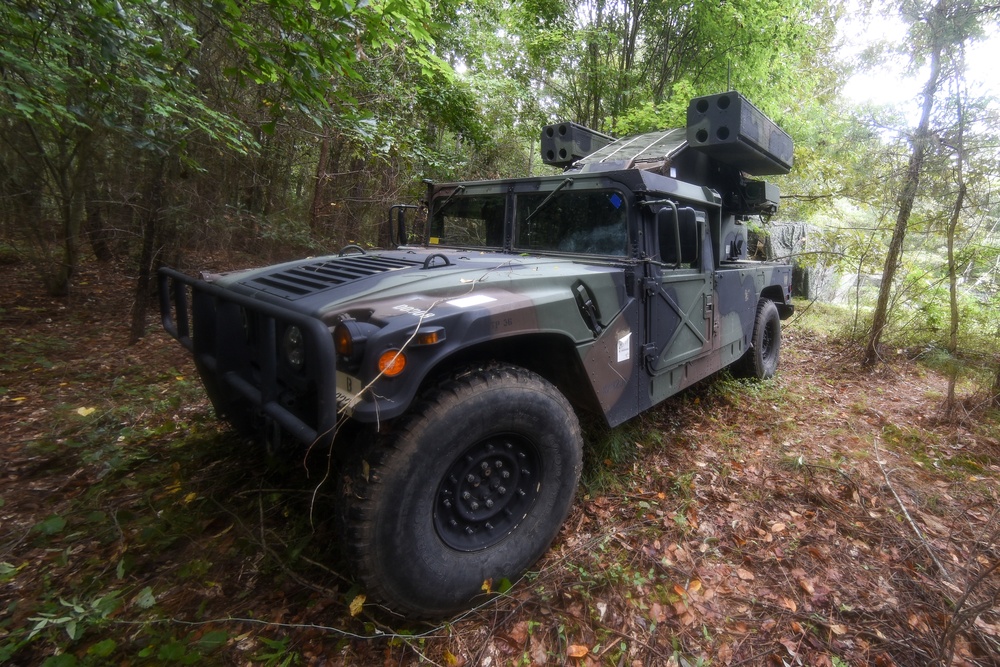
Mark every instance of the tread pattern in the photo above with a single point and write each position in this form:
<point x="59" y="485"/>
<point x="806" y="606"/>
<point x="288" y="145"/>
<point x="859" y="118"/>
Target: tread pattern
<point x="386" y="455"/>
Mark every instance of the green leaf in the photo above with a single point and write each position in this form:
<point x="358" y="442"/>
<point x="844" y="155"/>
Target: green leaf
<point x="103" y="648"/>
<point x="172" y="652"/>
<point x="145" y="599"/>
<point x="213" y="640"/>
<point x="51" y="525"/>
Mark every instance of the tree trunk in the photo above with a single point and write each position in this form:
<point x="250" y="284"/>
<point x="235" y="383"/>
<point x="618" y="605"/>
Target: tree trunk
<point x="905" y="201"/>
<point x="58" y="281"/>
<point x="150" y="218"/>
<point x="94" y="226"/>
<point x="316" y="210"/>
<point x="996" y="387"/>
<point x="952" y="269"/>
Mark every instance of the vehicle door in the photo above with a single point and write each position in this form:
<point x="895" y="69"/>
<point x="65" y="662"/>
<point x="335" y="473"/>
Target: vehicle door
<point x="679" y="292"/>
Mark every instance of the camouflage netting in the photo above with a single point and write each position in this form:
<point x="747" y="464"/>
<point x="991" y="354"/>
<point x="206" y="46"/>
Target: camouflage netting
<point x="785" y="242"/>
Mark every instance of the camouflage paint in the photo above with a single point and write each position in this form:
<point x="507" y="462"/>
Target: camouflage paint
<point x="638" y="330"/>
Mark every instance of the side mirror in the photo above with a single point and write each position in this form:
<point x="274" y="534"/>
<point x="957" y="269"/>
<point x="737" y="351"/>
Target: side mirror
<point x="397" y="228"/>
<point x="677" y="232"/>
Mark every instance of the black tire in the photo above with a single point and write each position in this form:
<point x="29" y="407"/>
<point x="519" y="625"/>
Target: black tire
<point x="761" y="360"/>
<point x="472" y="485"/>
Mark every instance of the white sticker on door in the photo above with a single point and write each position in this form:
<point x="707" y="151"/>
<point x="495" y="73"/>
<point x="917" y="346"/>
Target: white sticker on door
<point x="625" y="347"/>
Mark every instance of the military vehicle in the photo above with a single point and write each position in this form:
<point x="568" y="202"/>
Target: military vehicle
<point x="460" y="359"/>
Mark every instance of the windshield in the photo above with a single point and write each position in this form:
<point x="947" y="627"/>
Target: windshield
<point x="475" y="220"/>
<point x="587" y="221"/>
<point x="592" y="222"/>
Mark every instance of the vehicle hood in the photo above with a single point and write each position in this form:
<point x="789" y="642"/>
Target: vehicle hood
<point x="417" y="280"/>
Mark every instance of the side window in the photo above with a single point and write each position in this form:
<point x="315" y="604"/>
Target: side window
<point x="593" y="222"/>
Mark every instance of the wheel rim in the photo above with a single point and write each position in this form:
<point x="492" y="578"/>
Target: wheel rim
<point x="768" y="336"/>
<point x="487" y="492"/>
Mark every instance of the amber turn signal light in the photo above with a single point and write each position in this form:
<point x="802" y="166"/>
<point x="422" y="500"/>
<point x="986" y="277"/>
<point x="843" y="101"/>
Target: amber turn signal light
<point x="391" y="363"/>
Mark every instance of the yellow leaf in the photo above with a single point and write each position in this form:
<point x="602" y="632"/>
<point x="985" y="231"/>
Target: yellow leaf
<point x="838" y="629"/>
<point x="19" y="399"/>
<point x="577" y="651"/>
<point x="488" y="586"/>
<point x="357" y="603"/>
<point x="83" y="412"/>
<point x="694" y="586"/>
<point x="450" y="659"/>
<point x="189" y="497"/>
<point x="179" y="378"/>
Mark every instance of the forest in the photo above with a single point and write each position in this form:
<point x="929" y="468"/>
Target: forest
<point x="141" y="134"/>
<point x="222" y="134"/>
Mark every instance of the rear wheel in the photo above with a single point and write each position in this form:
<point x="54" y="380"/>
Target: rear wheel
<point x="471" y="487"/>
<point x="761" y="360"/>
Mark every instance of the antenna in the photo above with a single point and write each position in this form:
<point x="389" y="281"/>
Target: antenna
<point x="729" y="74"/>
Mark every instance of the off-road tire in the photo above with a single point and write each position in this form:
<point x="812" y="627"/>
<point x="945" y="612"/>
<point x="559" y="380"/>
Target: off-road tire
<point x="470" y="487"/>
<point x="761" y="360"/>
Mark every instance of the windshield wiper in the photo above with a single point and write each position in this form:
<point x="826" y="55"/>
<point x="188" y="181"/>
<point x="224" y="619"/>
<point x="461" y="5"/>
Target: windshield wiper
<point x="545" y="201"/>
<point x="447" y="200"/>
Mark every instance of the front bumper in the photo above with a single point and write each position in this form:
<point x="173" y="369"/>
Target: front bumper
<point x="235" y="342"/>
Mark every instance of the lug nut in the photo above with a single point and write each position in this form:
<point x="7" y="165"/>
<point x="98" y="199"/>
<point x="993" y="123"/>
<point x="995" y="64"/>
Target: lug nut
<point x="466" y="495"/>
<point x="489" y="504"/>
<point x="474" y="505"/>
<point x="505" y="474"/>
<point x="470" y="478"/>
<point x="501" y="490"/>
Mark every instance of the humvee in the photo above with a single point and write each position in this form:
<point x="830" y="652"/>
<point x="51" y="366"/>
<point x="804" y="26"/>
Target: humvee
<point x="462" y="356"/>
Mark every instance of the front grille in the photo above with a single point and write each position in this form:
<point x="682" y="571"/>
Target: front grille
<point x="309" y="279"/>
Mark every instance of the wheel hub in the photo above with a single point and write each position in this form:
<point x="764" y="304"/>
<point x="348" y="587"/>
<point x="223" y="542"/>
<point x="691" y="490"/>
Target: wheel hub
<point x="487" y="492"/>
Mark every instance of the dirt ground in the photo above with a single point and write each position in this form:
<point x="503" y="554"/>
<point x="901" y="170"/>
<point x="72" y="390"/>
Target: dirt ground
<point x="827" y="517"/>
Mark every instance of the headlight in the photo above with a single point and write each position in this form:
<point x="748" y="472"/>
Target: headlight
<point x="293" y="347"/>
<point x="350" y="338"/>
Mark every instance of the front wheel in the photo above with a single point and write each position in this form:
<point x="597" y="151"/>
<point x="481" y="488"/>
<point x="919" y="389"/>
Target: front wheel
<point x="761" y="360"/>
<point x="471" y="487"/>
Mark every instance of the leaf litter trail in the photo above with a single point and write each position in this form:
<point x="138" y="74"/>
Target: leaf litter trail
<point x="824" y="518"/>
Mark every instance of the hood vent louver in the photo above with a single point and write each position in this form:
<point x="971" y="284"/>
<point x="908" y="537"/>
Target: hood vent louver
<point x="306" y="279"/>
